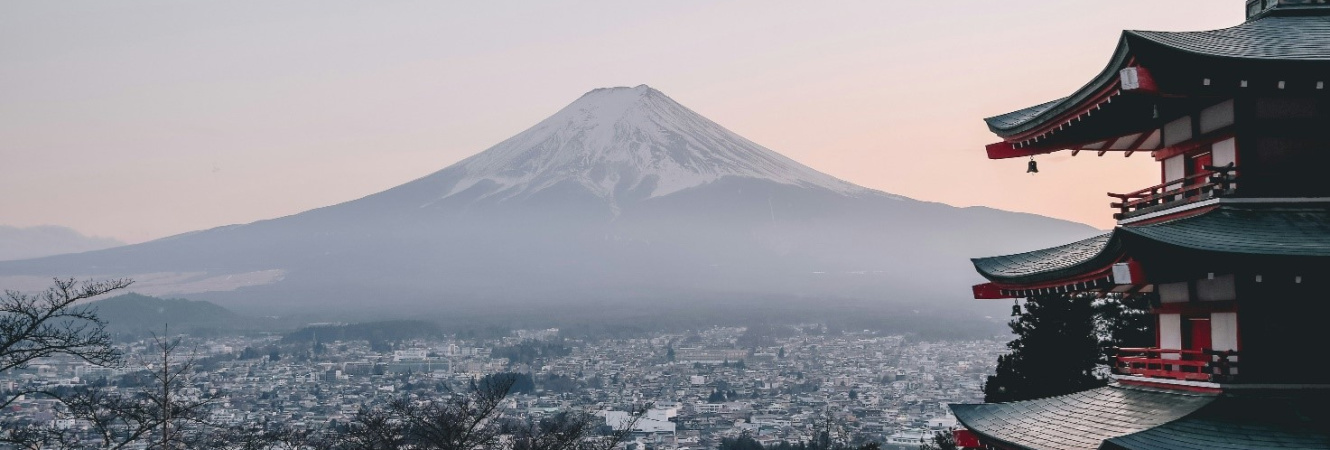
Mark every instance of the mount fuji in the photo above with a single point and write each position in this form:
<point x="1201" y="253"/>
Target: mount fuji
<point x="622" y="196"/>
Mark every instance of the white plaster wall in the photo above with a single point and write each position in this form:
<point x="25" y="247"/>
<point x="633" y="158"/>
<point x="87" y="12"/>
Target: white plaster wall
<point x="1224" y="331"/>
<point x="1177" y="131"/>
<point x="1174" y="169"/>
<point x="1224" y="152"/>
<point x="1170" y="333"/>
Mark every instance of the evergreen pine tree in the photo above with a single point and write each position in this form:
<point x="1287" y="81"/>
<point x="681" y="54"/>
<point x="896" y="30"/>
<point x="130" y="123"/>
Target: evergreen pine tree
<point x="1055" y="352"/>
<point x="1124" y="321"/>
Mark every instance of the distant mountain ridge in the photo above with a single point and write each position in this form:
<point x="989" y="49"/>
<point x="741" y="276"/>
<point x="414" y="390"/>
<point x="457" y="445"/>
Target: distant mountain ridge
<point x="46" y="240"/>
<point x="622" y="198"/>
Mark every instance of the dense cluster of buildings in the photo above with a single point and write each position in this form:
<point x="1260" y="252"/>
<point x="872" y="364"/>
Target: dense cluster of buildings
<point x="700" y="386"/>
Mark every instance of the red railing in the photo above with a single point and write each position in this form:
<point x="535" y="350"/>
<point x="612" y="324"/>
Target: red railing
<point x="1193" y="365"/>
<point x="1217" y="181"/>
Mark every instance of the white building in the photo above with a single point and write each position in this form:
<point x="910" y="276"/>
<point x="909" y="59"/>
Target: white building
<point x="414" y="354"/>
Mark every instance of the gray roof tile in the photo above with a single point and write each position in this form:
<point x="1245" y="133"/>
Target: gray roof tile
<point x="1254" y="230"/>
<point x="1273" y="37"/>
<point x="1047" y="263"/>
<point x="1296" y="421"/>
<point x="1296" y="231"/>
<point x="1284" y="38"/>
<point x="1067" y="421"/>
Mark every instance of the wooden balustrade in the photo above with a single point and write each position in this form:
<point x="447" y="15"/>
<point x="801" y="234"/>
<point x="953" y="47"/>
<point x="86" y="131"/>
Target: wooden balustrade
<point x="1193" y="365"/>
<point x="1219" y="180"/>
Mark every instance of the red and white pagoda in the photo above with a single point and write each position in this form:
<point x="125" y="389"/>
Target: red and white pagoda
<point x="1234" y="241"/>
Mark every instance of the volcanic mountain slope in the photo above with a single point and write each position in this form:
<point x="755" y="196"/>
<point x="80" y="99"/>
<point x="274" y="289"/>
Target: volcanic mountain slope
<point x="624" y="193"/>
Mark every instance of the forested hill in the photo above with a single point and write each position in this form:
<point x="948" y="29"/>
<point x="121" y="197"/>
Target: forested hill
<point x="135" y="315"/>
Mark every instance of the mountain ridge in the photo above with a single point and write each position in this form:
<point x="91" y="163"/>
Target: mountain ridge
<point x="621" y="141"/>
<point x="622" y="194"/>
<point x="45" y="240"/>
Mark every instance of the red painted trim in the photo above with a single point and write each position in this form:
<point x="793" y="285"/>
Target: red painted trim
<point x="1005" y="150"/>
<point x="1135" y="271"/>
<point x="988" y="291"/>
<point x="1175" y="387"/>
<point x="1146" y="80"/>
<point x="966" y="438"/>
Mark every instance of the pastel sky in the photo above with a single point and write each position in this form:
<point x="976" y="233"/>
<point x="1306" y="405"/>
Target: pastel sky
<point x="143" y="119"/>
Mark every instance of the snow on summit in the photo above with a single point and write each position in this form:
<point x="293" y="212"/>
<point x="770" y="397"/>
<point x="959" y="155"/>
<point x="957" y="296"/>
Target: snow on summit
<point x="617" y="140"/>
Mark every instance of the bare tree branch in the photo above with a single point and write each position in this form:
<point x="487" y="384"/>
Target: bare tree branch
<point x="51" y="323"/>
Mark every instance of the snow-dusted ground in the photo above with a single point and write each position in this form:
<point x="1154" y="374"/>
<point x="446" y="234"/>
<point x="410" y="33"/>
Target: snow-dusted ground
<point x="622" y="139"/>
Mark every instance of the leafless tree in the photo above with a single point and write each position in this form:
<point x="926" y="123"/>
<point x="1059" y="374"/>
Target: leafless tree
<point x="53" y="323"/>
<point x="572" y="430"/>
<point x="116" y="420"/>
<point x="157" y="416"/>
<point x="261" y="438"/>
<point x="175" y="413"/>
<point x="456" y="422"/>
<point x="472" y="420"/>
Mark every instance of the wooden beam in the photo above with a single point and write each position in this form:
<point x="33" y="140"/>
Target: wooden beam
<point x="1140" y="140"/>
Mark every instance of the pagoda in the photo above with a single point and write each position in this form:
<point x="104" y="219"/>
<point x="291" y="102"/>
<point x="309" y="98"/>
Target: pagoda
<point x="1233" y="244"/>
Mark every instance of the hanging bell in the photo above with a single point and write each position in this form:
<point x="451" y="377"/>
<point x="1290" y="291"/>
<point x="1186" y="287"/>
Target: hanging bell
<point x="1016" y="309"/>
<point x="1032" y="167"/>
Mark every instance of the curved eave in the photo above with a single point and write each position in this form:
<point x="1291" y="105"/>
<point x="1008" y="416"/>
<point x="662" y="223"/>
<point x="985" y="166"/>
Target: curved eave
<point x="1268" y="420"/>
<point x="1271" y="38"/>
<point x="1029" y="119"/>
<point x="1081" y="420"/>
<point x="964" y="412"/>
<point x="1277" y="231"/>
<point x="1064" y="262"/>
<point x="1285" y="39"/>
<point x="1246" y="230"/>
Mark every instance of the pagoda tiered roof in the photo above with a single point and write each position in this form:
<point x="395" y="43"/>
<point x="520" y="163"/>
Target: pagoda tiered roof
<point x="1216" y="232"/>
<point x="1154" y="74"/>
<point x="1051" y="263"/>
<point x="1138" y="418"/>
<point x="1095" y="415"/>
<point x="1286" y="38"/>
<point x="1234" y="421"/>
<point x="1233" y="245"/>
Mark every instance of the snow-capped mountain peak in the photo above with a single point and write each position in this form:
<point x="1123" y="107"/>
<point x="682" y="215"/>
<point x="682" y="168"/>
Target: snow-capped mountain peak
<point x="617" y="140"/>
